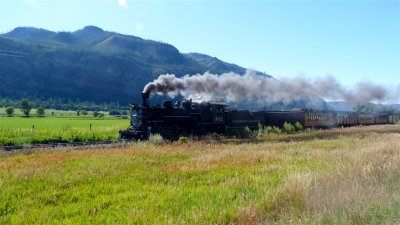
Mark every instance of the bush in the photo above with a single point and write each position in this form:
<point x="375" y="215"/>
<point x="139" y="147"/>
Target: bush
<point x="288" y="128"/>
<point x="215" y="137"/>
<point x="156" y="139"/>
<point x="261" y="129"/>
<point x="183" y="139"/>
<point x="245" y="132"/>
<point x="268" y="129"/>
<point x="298" y="126"/>
<point x="276" y="130"/>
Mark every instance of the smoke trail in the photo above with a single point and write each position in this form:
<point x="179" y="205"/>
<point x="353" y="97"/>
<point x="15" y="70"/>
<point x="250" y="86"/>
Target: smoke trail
<point x="250" y="87"/>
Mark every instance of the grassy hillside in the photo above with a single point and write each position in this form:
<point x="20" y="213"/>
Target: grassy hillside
<point x="350" y="177"/>
<point x="90" y="64"/>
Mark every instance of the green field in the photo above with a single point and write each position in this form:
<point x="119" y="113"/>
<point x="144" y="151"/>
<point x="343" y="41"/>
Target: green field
<point x="50" y="112"/>
<point x="34" y="130"/>
<point x="349" y="176"/>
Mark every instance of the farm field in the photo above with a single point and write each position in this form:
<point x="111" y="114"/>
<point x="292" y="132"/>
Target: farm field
<point x="349" y="176"/>
<point x="34" y="130"/>
<point x="50" y="112"/>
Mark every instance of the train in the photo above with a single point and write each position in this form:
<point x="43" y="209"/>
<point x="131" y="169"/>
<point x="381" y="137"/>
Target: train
<point x="187" y="118"/>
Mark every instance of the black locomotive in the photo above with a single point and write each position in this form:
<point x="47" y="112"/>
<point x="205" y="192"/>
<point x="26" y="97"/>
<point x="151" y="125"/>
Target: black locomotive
<point x="187" y="118"/>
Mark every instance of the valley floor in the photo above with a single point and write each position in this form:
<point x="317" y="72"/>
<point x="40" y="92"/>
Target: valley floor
<point x="349" y="176"/>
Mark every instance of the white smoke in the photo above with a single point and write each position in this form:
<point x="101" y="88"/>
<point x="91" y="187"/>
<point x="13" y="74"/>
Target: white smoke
<point x="251" y="87"/>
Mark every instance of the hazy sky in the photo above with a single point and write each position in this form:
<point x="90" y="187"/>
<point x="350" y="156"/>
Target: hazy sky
<point x="351" y="40"/>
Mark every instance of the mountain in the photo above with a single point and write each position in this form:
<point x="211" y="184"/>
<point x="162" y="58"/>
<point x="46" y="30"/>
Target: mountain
<point x="91" y="64"/>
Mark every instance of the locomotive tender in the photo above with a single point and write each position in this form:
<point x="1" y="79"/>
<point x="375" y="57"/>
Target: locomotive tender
<point x="188" y="118"/>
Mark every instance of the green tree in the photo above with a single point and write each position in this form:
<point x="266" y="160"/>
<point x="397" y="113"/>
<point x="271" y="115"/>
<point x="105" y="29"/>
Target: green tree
<point x="96" y="114"/>
<point x="26" y="107"/>
<point x="10" y="111"/>
<point x="40" y="111"/>
<point x="114" y="112"/>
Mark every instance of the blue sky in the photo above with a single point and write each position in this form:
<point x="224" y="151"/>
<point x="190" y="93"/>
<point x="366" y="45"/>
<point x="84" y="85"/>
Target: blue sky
<point x="350" y="40"/>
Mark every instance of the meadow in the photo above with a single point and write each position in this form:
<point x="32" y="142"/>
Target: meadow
<point x="341" y="176"/>
<point x="42" y="130"/>
<point x="52" y="113"/>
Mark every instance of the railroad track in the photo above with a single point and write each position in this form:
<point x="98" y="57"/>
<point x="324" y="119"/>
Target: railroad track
<point x="72" y="145"/>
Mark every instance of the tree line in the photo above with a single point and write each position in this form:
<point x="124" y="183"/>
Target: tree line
<point x="26" y="106"/>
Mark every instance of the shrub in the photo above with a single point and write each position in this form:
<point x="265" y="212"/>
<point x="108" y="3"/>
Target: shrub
<point x="261" y="129"/>
<point x="247" y="133"/>
<point x="183" y="139"/>
<point x="276" y="130"/>
<point x="298" y="126"/>
<point x="156" y="139"/>
<point x="215" y="137"/>
<point x="268" y="129"/>
<point x="288" y="128"/>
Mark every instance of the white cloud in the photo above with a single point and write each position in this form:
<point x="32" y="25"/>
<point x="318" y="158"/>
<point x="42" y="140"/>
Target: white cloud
<point x="33" y="3"/>
<point x="122" y="3"/>
<point x="139" y="26"/>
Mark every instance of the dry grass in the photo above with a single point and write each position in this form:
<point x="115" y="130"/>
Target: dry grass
<point x="349" y="176"/>
<point x="364" y="178"/>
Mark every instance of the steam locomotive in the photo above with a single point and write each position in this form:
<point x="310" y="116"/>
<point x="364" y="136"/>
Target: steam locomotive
<point x="188" y="118"/>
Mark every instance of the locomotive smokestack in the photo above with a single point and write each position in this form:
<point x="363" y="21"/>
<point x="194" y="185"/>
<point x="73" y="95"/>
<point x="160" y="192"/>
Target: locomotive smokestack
<point x="145" y="98"/>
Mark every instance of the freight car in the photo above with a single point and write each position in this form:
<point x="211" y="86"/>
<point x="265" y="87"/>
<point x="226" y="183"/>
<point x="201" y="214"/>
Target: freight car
<point x="188" y="118"/>
<point x="306" y="117"/>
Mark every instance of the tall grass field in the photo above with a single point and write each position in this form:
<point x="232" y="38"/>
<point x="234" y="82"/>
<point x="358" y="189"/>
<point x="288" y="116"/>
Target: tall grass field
<point x="34" y="130"/>
<point x="343" y="176"/>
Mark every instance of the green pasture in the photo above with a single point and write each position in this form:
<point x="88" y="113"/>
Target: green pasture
<point x="35" y="130"/>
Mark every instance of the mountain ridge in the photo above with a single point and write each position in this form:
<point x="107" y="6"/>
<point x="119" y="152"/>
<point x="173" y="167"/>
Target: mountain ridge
<point x="92" y="64"/>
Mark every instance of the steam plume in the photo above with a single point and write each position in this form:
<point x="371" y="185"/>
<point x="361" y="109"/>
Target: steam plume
<point x="250" y="87"/>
